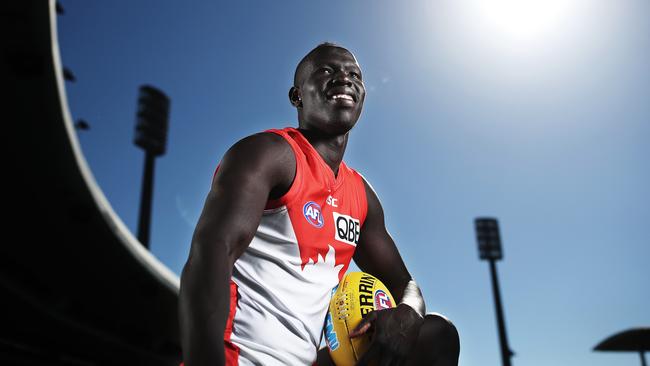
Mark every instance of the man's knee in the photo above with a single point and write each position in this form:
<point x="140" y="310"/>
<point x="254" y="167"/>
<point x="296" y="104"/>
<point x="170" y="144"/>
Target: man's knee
<point x="441" y="329"/>
<point x="438" y="342"/>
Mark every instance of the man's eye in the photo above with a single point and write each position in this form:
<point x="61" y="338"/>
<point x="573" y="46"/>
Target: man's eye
<point x="355" y="75"/>
<point x="326" y="71"/>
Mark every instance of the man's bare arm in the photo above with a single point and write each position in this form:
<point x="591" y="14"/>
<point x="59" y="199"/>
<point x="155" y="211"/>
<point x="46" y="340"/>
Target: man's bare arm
<point x="395" y="330"/>
<point x="376" y="252"/>
<point x="253" y="170"/>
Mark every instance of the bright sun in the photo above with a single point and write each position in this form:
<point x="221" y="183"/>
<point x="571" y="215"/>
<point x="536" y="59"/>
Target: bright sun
<point x="523" y="19"/>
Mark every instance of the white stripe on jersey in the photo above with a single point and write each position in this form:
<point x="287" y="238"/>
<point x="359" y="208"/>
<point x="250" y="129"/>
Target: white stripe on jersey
<point x="281" y="309"/>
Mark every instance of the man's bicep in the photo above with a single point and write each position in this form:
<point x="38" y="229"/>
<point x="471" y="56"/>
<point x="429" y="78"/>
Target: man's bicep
<point x="238" y="195"/>
<point x="231" y="213"/>
<point x="376" y="252"/>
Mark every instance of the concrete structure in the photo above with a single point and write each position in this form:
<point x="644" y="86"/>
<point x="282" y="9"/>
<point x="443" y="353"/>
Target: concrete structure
<point x="76" y="287"/>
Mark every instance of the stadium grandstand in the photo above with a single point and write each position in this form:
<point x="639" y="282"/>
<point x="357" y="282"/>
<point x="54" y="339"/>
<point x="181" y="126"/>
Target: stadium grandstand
<point x="77" y="288"/>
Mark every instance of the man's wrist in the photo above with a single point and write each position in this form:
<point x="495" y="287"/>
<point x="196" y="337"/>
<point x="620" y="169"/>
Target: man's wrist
<point x="412" y="297"/>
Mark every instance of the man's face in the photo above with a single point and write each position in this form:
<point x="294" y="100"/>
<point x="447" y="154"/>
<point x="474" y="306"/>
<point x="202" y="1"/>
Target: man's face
<point x="331" y="91"/>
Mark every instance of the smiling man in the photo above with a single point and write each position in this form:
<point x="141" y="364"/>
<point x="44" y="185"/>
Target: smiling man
<point x="284" y="217"/>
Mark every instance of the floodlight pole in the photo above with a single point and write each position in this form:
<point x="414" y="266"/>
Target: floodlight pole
<point x="489" y="247"/>
<point x="506" y="353"/>
<point x="144" y="220"/>
<point x="152" y="120"/>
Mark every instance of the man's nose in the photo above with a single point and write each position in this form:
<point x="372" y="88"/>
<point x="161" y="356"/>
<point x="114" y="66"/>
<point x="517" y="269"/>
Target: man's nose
<point x="341" y="78"/>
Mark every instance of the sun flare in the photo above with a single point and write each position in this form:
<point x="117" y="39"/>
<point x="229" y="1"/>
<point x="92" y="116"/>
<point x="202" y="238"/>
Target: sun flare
<point x="523" y="19"/>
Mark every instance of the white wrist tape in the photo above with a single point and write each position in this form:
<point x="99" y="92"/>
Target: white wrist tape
<point x="413" y="298"/>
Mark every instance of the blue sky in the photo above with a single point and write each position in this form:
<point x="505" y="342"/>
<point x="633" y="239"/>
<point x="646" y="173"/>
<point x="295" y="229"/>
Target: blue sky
<point x="535" y="112"/>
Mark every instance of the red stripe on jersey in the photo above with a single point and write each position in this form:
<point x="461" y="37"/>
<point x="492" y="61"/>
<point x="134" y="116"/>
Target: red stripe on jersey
<point x="232" y="351"/>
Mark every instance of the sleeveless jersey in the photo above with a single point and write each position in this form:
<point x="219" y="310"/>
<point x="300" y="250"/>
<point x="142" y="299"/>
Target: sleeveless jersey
<point x="282" y="283"/>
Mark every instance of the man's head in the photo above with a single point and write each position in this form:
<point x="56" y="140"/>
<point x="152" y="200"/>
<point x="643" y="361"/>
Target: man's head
<point x="328" y="90"/>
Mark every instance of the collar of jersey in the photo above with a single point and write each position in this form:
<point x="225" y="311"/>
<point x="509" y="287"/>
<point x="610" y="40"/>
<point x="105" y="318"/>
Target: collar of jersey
<point x="334" y="182"/>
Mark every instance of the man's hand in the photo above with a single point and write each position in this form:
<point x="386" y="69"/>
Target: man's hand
<point x="393" y="335"/>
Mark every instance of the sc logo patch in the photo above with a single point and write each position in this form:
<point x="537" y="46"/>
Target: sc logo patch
<point x="312" y="213"/>
<point x="347" y="228"/>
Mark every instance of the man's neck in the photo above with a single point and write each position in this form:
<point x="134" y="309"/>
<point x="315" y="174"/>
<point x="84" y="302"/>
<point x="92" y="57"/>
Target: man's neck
<point x="330" y="148"/>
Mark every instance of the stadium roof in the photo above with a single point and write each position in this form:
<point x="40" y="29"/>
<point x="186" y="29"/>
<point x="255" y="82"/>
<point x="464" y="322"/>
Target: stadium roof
<point x="77" y="288"/>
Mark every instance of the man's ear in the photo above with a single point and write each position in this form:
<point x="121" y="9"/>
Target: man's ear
<point x="294" y="97"/>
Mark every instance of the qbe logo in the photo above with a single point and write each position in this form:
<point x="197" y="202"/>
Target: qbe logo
<point x="313" y="214"/>
<point x="347" y="229"/>
<point x="382" y="300"/>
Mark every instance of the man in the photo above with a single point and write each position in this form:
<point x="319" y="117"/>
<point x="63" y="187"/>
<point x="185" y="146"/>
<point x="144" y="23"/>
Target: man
<point x="284" y="217"/>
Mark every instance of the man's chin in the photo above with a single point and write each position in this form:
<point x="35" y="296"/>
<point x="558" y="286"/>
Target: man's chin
<point x="334" y="122"/>
<point x="340" y="127"/>
<point x="344" y="119"/>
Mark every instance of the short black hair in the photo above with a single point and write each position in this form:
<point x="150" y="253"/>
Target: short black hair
<point x="308" y="56"/>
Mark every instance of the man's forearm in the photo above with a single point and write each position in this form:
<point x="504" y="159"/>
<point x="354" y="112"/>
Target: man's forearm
<point x="396" y="284"/>
<point x="203" y="308"/>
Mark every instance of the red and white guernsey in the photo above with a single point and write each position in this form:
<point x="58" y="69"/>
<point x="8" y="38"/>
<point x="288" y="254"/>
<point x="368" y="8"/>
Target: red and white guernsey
<point x="281" y="285"/>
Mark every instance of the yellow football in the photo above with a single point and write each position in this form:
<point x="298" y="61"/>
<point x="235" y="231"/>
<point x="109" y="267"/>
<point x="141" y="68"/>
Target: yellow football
<point x="357" y="295"/>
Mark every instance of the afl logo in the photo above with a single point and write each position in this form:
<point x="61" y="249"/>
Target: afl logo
<point x="382" y="300"/>
<point x="312" y="213"/>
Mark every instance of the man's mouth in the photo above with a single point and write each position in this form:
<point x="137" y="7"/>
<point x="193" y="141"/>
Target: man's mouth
<point x="342" y="96"/>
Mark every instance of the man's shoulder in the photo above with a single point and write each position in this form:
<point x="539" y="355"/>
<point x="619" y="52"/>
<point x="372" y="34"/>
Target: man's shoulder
<point x="356" y="172"/>
<point x="261" y="145"/>
<point x="371" y="194"/>
<point x="261" y="155"/>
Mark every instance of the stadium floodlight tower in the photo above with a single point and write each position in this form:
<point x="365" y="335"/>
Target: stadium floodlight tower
<point x="152" y="121"/>
<point x="489" y="248"/>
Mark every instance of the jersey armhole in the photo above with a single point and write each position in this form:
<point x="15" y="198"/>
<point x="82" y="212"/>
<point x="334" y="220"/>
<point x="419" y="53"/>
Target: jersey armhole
<point x="291" y="194"/>
<point x="214" y="175"/>
<point x="297" y="179"/>
<point x="363" y="197"/>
